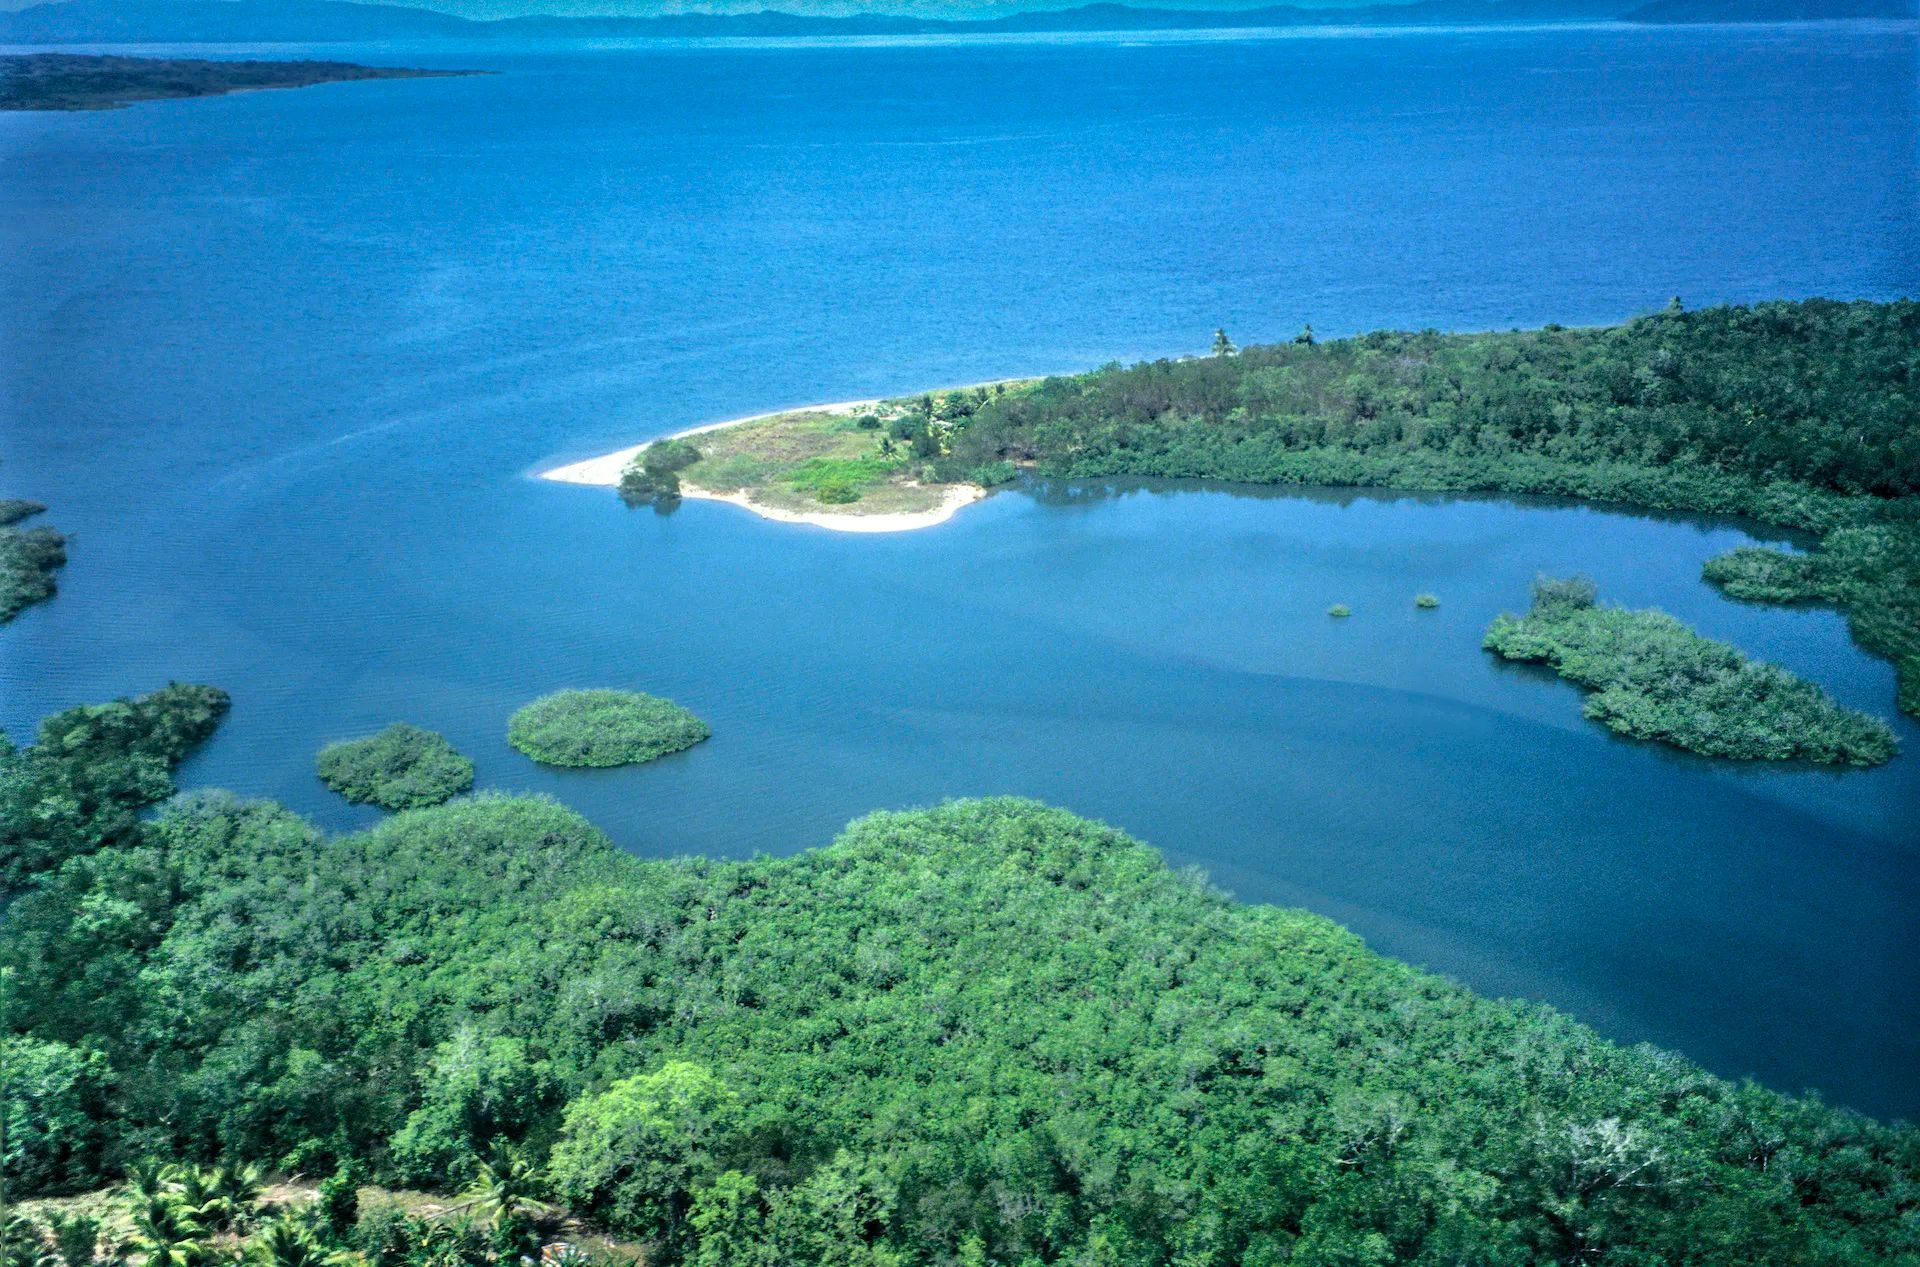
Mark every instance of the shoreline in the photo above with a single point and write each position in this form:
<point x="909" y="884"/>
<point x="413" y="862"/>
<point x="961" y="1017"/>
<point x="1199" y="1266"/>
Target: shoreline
<point x="604" y="472"/>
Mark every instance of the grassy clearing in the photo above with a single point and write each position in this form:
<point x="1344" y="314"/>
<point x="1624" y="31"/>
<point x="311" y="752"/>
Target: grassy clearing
<point x="889" y="458"/>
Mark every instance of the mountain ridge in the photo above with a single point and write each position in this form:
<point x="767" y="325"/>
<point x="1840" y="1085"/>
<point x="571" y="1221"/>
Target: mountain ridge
<point x="323" y="21"/>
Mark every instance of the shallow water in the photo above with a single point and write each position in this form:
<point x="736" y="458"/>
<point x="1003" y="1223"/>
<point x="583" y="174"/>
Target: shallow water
<point x="283" y="362"/>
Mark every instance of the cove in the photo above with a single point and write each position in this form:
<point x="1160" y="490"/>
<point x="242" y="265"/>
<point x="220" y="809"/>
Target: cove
<point x="294" y="461"/>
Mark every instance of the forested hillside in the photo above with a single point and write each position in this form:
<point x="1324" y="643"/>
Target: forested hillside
<point x="1801" y="414"/>
<point x="986" y="1033"/>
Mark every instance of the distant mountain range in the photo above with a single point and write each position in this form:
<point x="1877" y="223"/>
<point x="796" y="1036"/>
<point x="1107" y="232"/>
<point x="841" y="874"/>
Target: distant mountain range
<point x="312" y="21"/>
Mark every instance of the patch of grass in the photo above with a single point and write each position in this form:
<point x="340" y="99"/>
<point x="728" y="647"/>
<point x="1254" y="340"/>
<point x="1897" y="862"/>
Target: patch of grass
<point x="402" y="767"/>
<point x="837" y="481"/>
<point x="603" y="728"/>
<point x="1654" y="678"/>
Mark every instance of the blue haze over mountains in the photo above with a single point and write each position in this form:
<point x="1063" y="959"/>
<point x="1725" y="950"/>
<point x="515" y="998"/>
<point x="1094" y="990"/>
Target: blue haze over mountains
<point x="252" y="21"/>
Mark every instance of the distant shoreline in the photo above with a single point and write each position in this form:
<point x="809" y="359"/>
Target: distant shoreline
<point x="76" y="81"/>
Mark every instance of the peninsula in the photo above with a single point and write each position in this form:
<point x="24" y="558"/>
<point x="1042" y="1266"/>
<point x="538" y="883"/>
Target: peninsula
<point x="849" y="466"/>
<point x="70" y="81"/>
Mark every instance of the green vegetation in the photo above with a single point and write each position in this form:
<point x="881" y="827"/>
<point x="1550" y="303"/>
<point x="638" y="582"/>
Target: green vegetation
<point x="66" y="81"/>
<point x="1426" y="602"/>
<point x="1339" y="610"/>
<point x="889" y="458"/>
<point x="986" y="1033"/>
<point x="1798" y="414"/>
<point x="14" y="509"/>
<point x="838" y="481"/>
<point x="28" y="557"/>
<point x="79" y="788"/>
<point x="653" y="477"/>
<point x="1872" y="571"/>
<point x="402" y="767"/>
<point x="1653" y="678"/>
<point x="603" y="728"/>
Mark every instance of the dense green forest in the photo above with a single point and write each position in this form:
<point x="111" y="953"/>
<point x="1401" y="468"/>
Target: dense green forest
<point x="28" y="557"/>
<point x="1803" y="414"/>
<point x="990" y="1032"/>
<point x="1654" y="678"/>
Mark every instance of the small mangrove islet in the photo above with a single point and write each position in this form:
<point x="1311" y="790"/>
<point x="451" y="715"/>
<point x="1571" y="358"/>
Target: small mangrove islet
<point x="603" y="728"/>
<point x="402" y="767"/>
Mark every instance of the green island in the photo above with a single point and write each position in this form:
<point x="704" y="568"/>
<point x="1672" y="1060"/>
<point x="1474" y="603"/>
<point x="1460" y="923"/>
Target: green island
<point x="1654" y="678"/>
<point x="1798" y="414"/>
<point x="603" y="728"/>
<point x="71" y="81"/>
<point x="402" y="767"/>
<point x="985" y="1033"/>
<point x="28" y="558"/>
<point x="884" y="457"/>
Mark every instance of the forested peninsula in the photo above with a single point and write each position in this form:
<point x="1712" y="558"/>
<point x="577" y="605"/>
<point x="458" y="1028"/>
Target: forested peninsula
<point x="987" y="1033"/>
<point x="28" y="558"/>
<point x="1804" y="415"/>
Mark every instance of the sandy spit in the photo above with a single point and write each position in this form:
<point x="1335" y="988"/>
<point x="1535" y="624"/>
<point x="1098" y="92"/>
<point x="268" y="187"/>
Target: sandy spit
<point x="604" y="472"/>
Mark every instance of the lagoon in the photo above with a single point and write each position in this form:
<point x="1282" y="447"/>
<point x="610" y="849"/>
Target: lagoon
<point x="283" y="366"/>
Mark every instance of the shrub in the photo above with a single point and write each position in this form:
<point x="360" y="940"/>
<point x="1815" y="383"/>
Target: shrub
<point x="402" y="767"/>
<point x="641" y="487"/>
<point x="990" y="474"/>
<point x="603" y="728"/>
<point x="669" y="456"/>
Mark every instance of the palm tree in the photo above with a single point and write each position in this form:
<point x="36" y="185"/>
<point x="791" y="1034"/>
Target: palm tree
<point x="503" y="1189"/>
<point x="165" y="1232"/>
<point x="146" y="1179"/>
<point x="286" y="1242"/>
<point x="235" y="1190"/>
<point x="194" y="1188"/>
<point x="23" y="1245"/>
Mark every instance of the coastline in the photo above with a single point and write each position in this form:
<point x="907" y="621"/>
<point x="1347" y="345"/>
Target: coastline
<point x="604" y="472"/>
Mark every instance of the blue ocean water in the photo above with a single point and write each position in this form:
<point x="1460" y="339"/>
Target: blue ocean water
<point x="282" y="364"/>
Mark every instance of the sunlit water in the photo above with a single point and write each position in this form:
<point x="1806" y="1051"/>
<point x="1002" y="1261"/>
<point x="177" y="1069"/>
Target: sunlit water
<point x="283" y="362"/>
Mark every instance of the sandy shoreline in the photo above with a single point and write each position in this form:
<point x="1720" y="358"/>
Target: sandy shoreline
<point x="604" y="472"/>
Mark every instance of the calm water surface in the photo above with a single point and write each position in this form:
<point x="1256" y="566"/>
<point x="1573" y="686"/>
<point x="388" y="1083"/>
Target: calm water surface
<point x="282" y="363"/>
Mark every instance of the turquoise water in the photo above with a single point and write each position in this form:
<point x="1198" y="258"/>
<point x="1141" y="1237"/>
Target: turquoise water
<point x="283" y="363"/>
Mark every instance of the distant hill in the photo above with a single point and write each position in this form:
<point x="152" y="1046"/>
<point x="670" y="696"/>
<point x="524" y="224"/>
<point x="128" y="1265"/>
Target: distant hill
<point x="307" y="21"/>
<point x="1681" y="11"/>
